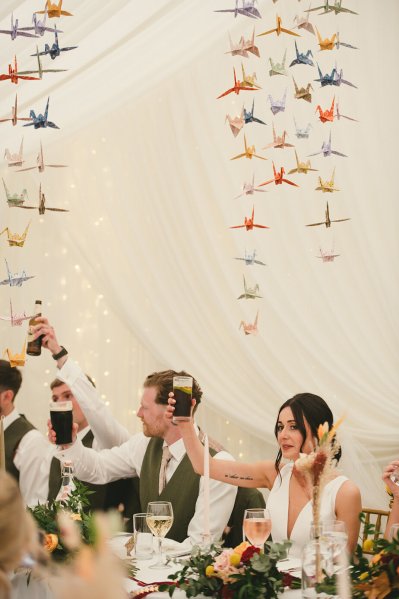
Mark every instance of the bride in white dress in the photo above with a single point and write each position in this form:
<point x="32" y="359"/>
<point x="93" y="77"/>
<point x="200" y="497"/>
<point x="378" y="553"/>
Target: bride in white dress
<point x="290" y="495"/>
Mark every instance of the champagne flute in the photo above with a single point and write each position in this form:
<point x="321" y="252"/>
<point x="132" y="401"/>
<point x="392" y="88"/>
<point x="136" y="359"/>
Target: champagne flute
<point x="159" y="519"/>
<point x="257" y="526"/>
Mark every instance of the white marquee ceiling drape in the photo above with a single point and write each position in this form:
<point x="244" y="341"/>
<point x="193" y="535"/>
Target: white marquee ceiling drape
<point x="141" y="275"/>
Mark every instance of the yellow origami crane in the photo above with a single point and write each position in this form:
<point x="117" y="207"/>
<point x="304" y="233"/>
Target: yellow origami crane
<point x="249" y="152"/>
<point x="328" y="185"/>
<point x="14" y="239"/>
<point x="16" y="359"/>
<point x="301" y="167"/>
<point x="54" y="10"/>
<point x="327" y="43"/>
<point x="278" y="29"/>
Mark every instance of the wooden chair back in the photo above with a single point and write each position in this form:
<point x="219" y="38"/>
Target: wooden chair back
<point x="377" y="517"/>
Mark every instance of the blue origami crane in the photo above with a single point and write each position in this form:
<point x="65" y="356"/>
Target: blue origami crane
<point x="249" y="116"/>
<point x="55" y="49"/>
<point x="15" y="30"/>
<point x="302" y="58"/>
<point x="327" y="151"/>
<point x="247" y="9"/>
<point x="39" y="27"/>
<point x="334" y="78"/>
<point x="41" y="121"/>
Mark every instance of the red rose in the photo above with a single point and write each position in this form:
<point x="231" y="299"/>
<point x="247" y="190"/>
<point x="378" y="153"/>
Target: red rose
<point x="249" y="553"/>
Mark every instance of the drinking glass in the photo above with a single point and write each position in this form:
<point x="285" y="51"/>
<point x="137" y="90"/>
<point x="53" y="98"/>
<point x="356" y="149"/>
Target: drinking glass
<point x="395" y="476"/>
<point x="61" y="420"/>
<point x="334" y="533"/>
<point x="142" y="537"/>
<point x="159" y="519"/>
<point x="182" y="391"/>
<point x="257" y="526"/>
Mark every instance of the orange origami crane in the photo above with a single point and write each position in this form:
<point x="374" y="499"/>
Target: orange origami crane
<point x="249" y="152"/>
<point x="14" y="239"/>
<point x="14" y="115"/>
<point x="250" y="328"/>
<point x="279" y="30"/>
<point x="16" y="359"/>
<point x="327" y="222"/>
<point x="54" y="10"/>
<point x="326" y="43"/>
<point x="328" y="185"/>
<point x="326" y="115"/>
<point x="14" y="76"/>
<point x="301" y="167"/>
<point x="249" y="223"/>
<point x="238" y="87"/>
<point x="278" y="178"/>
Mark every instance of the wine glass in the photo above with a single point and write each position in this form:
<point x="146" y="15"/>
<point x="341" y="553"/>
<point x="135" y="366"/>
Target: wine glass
<point x="257" y="526"/>
<point x="159" y="520"/>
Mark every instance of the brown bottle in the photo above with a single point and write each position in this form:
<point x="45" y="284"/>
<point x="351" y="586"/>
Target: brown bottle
<point x="34" y="346"/>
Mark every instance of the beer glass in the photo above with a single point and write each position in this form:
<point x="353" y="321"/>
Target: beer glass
<point x="182" y="391"/>
<point x="61" y="421"/>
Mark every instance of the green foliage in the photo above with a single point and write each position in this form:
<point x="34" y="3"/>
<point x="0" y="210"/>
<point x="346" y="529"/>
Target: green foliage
<point x="254" y="577"/>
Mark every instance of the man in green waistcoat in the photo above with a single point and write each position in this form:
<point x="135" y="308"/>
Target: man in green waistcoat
<point x="27" y="452"/>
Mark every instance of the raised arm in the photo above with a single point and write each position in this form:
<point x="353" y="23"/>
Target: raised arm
<point x="394" y="488"/>
<point x="258" y="474"/>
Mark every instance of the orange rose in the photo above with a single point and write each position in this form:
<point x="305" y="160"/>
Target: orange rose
<point x="50" y="542"/>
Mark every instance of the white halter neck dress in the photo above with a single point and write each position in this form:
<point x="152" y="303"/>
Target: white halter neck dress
<point x="277" y="504"/>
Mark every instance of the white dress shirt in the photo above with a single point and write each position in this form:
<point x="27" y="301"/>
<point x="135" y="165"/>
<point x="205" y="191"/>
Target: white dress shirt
<point x="126" y="461"/>
<point x="32" y="459"/>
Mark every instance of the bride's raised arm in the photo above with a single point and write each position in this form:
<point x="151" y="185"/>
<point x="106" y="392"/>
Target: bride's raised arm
<point x="257" y="474"/>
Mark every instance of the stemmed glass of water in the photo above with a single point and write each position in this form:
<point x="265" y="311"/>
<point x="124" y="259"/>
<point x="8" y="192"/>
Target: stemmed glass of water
<point x="159" y="519"/>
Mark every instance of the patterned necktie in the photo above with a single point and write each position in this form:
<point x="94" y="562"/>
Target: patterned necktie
<point x="166" y="457"/>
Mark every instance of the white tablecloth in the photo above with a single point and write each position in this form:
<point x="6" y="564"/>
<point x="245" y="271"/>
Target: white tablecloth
<point x="148" y="576"/>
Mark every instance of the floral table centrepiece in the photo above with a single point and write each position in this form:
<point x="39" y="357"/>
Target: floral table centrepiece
<point x="240" y="573"/>
<point x="47" y="518"/>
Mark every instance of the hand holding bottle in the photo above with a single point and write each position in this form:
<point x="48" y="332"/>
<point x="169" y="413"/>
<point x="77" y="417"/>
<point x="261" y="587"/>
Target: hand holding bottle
<point x="43" y="329"/>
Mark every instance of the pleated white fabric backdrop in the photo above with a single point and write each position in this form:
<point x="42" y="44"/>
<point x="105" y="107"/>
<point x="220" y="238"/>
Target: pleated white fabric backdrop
<point x="140" y="274"/>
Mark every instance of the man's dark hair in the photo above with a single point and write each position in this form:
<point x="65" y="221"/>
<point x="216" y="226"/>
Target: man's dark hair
<point x="10" y="378"/>
<point x="163" y="381"/>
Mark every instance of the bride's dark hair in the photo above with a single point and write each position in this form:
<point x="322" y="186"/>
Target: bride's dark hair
<point x="314" y="409"/>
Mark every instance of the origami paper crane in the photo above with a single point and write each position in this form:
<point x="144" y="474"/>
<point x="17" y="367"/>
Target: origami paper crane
<point x="40" y="69"/>
<point x="328" y="185"/>
<point x="304" y="23"/>
<point x="42" y="205"/>
<point x="303" y="93"/>
<point x="14" y="114"/>
<point x="15" y="199"/>
<point x="17" y="158"/>
<point x="14" y="239"/>
<point x="249" y="152"/>
<point x="15" y="280"/>
<point x="249" y="223"/>
<point x="279" y="30"/>
<point x="301" y="167"/>
<point x="54" y="10"/>
<point x="339" y="116"/>
<point x="247" y="9"/>
<point x="244" y="47"/>
<point x="249" y="79"/>
<point x="278" y="141"/>
<point x="278" y="178"/>
<point x="328" y="221"/>
<point x="249" y="116"/>
<point x="13" y="74"/>
<point x="336" y="8"/>
<point x="55" y="49"/>
<point x="16" y="320"/>
<point x="278" y="68"/>
<point x="304" y="132"/>
<point x="250" y="259"/>
<point x="326" y="43"/>
<point x="16" y="359"/>
<point x="15" y="30"/>
<point x="338" y="43"/>
<point x="39" y="27"/>
<point x="236" y="123"/>
<point x="334" y="78"/>
<point x="327" y="151"/>
<point x="326" y="115"/>
<point x="237" y="87"/>
<point x="249" y="188"/>
<point x="302" y="58"/>
<point x="250" y="292"/>
<point x="41" y="120"/>
<point x="40" y="165"/>
<point x="327" y="255"/>
<point x="249" y="328"/>
<point x="277" y="105"/>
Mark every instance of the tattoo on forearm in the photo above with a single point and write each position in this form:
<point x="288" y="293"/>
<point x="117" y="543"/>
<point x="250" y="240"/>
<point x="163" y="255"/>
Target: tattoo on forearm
<point x="236" y="477"/>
